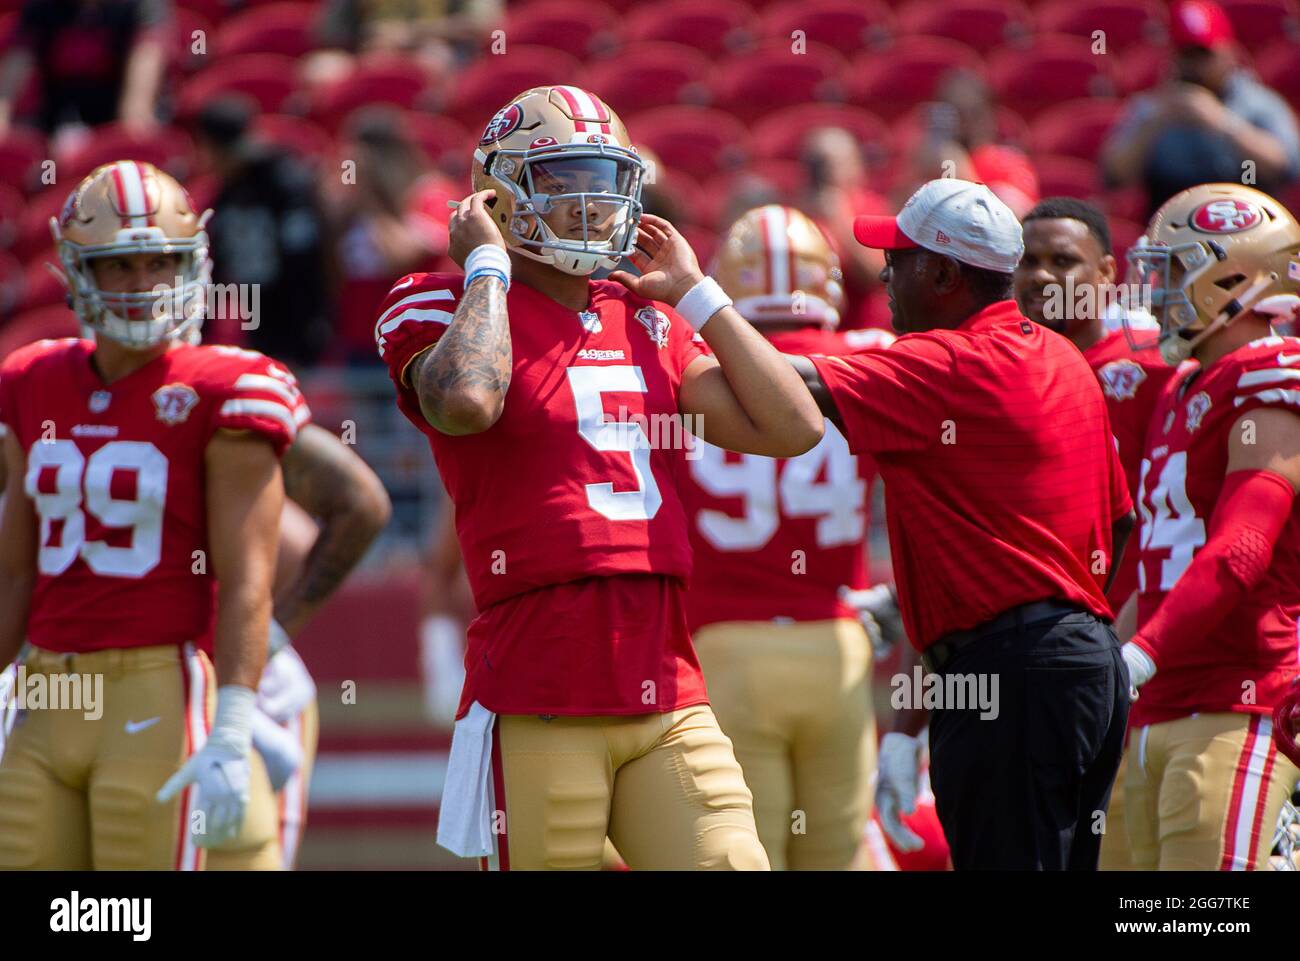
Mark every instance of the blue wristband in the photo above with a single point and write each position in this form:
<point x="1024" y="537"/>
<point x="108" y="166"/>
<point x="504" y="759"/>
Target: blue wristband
<point x="488" y="272"/>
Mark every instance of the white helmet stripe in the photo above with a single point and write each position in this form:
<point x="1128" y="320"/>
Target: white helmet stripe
<point x="776" y="226"/>
<point x="132" y="194"/>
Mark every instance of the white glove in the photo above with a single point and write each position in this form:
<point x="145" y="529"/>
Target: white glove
<point x="878" y="611"/>
<point x="280" y="750"/>
<point x="277" y="639"/>
<point x="898" y="782"/>
<point x="220" y="769"/>
<point x="286" y="688"/>
<point x="442" y="662"/>
<point x="1140" y="668"/>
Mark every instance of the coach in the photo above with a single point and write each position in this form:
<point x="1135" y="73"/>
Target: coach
<point x="1004" y="498"/>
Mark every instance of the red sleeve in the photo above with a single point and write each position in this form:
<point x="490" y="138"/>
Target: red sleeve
<point x="261" y="396"/>
<point x="411" y="319"/>
<point x="1121" y="500"/>
<point x="1249" y="517"/>
<point x="891" y="400"/>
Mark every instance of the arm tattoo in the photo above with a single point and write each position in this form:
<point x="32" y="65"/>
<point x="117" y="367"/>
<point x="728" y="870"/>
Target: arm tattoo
<point x="473" y="355"/>
<point x="333" y="485"/>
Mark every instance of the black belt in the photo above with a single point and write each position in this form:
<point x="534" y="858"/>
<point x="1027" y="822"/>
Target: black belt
<point x="945" y="648"/>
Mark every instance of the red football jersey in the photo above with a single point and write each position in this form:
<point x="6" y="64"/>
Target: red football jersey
<point x="1182" y="475"/>
<point x="776" y="538"/>
<point x="1132" y="381"/>
<point x="116" y="474"/>
<point x="567" y="501"/>
<point x="1001" y="474"/>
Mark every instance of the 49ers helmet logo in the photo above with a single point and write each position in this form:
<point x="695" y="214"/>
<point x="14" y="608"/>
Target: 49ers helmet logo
<point x="505" y="122"/>
<point x="1225" y="217"/>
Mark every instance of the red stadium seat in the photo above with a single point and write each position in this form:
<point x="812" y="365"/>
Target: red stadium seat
<point x="304" y="138"/>
<point x="1076" y="128"/>
<point x="487" y="85"/>
<point x="649" y="75"/>
<point x="782" y="135"/>
<point x="849" y="26"/>
<point x="577" y="27"/>
<point x="751" y="85"/>
<point x="34" y="325"/>
<point x="1127" y="203"/>
<point x="1124" y="234"/>
<point x="40" y="287"/>
<point x="1279" y="67"/>
<point x="1054" y="69"/>
<point x="893" y="81"/>
<point x="34" y="238"/>
<point x="983" y="24"/>
<point x="213" y="10"/>
<point x="286" y="28"/>
<point x="378" y="78"/>
<point x="1067" y="177"/>
<point x="1258" y="22"/>
<point x="693" y="141"/>
<point x="710" y="26"/>
<point x="168" y="148"/>
<point x="1142" y="68"/>
<point x="21" y="152"/>
<point x="446" y="143"/>
<point x="189" y="26"/>
<point x="268" y="78"/>
<point x="1125" y="23"/>
<point x="203" y="189"/>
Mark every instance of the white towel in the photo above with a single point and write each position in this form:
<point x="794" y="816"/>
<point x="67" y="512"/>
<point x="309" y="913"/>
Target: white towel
<point x="465" y="818"/>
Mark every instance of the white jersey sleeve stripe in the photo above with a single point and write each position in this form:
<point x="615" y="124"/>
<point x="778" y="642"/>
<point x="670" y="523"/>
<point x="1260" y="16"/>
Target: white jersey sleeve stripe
<point x="1271" y="375"/>
<point x="261" y="408"/>
<point x="413" y="315"/>
<point x="1275" y="395"/>
<point x="420" y="298"/>
<point x="272" y="385"/>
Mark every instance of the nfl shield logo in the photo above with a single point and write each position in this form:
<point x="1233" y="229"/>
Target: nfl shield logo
<point x="1196" y="408"/>
<point x="99" y="401"/>
<point x="656" y="324"/>
<point x="174" y="403"/>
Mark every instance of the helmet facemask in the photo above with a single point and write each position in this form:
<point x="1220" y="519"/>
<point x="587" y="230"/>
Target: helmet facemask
<point x="140" y="320"/>
<point x="575" y="207"/>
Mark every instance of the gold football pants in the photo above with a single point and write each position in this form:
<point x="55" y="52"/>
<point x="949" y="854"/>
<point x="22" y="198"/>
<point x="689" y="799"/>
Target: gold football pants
<point x="665" y="788"/>
<point x="795" y="699"/>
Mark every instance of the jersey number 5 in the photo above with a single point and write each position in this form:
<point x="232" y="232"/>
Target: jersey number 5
<point x="587" y="384"/>
<point x="72" y="472"/>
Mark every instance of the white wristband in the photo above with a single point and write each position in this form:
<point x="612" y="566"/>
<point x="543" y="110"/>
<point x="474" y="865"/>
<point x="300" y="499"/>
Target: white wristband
<point x="701" y="302"/>
<point x="490" y="256"/>
<point x="233" y="725"/>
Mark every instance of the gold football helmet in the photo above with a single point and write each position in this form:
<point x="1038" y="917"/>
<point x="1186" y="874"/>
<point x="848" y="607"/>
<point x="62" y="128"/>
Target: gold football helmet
<point x="1210" y="254"/>
<point x="777" y="266"/>
<point x="131" y="207"/>
<point x="566" y="176"/>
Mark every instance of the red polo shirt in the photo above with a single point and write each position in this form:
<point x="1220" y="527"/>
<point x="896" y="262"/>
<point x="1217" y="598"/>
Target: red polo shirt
<point x="1001" y="474"/>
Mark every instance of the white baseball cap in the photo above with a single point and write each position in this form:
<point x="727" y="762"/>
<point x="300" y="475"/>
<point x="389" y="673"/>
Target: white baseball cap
<point x="963" y="220"/>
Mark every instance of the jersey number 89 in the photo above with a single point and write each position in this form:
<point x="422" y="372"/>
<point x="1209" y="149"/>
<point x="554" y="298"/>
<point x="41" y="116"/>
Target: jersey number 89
<point x="75" y="473"/>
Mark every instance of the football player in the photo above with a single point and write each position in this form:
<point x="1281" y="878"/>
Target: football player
<point x="143" y="496"/>
<point x="553" y="405"/>
<point x="787" y="661"/>
<point x="1064" y="280"/>
<point x="1219" y="561"/>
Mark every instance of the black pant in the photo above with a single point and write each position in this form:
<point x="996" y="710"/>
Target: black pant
<point x="1027" y="790"/>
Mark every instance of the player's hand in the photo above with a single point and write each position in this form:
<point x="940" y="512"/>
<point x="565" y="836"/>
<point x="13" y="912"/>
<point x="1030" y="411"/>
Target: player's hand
<point x="878" y="611"/>
<point x="1140" y="668"/>
<point x="220" y="769"/>
<point x="280" y="750"/>
<point x="472" y="226"/>
<point x="898" y="782"/>
<point x="668" y="265"/>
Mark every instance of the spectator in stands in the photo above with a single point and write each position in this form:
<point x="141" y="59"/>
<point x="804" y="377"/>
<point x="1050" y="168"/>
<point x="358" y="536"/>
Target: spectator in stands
<point x="961" y="140"/>
<point x="434" y="29"/>
<point x="268" y="230"/>
<point x="838" y="190"/>
<point x="390" y="220"/>
<point x="1207" y="122"/>
<point x="96" y="60"/>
